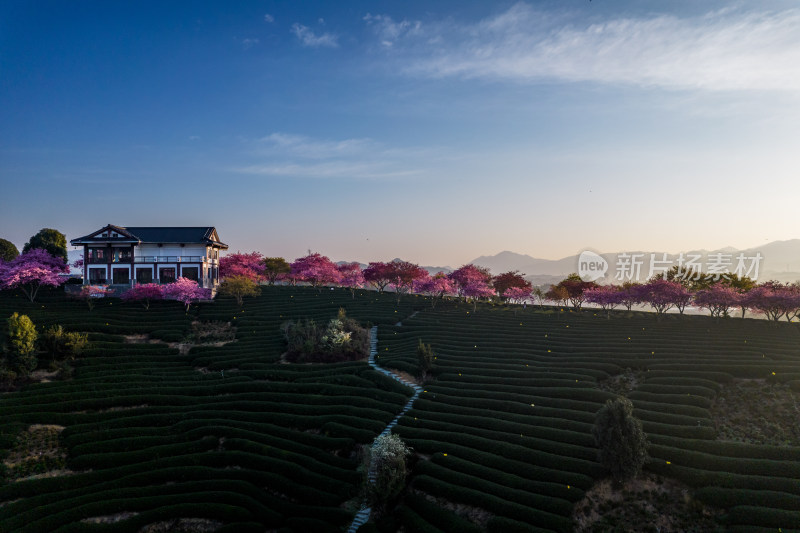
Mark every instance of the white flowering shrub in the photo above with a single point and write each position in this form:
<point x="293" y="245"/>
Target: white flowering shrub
<point x="389" y="462"/>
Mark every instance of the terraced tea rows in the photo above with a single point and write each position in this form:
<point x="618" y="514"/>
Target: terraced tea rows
<point x="224" y="433"/>
<point x="231" y="435"/>
<point x="507" y="420"/>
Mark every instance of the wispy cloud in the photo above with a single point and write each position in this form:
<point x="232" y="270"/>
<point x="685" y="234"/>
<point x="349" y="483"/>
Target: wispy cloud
<point x="249" y="43"/>
<point x="306" y="147"/>
<point x="388" y="31"/>
<point x="729" y="49"/>
<point x="269" y="18"/>
<point x="309" y="38"/>
<point x="289" y="155"/>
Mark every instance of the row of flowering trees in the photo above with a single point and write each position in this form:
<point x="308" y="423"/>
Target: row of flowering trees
<point x="775" y="300"/>
<point x="471" y="282"/>
<point x="183" y="290"/>
<point x="37" y="268"/>
<point x="401" y="277"/>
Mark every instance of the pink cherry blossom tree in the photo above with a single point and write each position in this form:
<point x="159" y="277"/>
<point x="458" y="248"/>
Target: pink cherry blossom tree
<point x="436" y="287"/>
<point x="517" y="294"/>
<point x="477" y="289"/>
<point x="32" y="270"/>
<point x="351" y="276"/>
<point x="629" y="294"/>
<point x="315" y="269"/>
<point x="471" y="276"/>
<point x="378" y="274"/>
<point x="402" y="276"/>
<point x="250" y="265"/>
<point x="185" y="291"/>
<point x="681" y="297"/>
<point x="291" y="277"/>
<point x="502" y="282"/>
<point x="718" y="299"/>
<point x="775" y="300"/>
<point x="144" y="293"/>
<point x="662" y="295"/>
<point x="90" y="294"/>
<point x="606" y="296"/>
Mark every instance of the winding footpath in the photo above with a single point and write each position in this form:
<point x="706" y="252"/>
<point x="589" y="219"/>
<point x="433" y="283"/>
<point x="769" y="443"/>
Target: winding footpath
<point x="363" y="514"/>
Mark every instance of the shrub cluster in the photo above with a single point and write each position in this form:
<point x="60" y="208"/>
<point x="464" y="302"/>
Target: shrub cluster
<point x="341" y="339"/>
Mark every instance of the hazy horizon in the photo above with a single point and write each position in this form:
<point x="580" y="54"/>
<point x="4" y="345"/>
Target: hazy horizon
<point x="433" y="132"/>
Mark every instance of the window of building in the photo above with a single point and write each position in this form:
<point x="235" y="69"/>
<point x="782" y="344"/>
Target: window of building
<point x="97" y="276"/>
<point x="144" y="275"/>
<point x="120" y="276"/>
<point x="190" y="273"/>
<point x="166" y="275"/>
<point x="97" y="255"/>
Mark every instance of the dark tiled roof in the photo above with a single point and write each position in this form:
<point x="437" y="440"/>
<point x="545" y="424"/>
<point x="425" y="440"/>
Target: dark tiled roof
<point x="189" y="235"/>
<point x="167" y="235"/>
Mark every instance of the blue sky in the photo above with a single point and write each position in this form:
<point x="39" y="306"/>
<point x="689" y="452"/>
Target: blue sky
<point x="433" y="131"/>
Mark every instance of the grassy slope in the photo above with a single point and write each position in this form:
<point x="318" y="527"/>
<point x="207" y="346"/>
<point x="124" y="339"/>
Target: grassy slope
<point x="247" y="442"/>
<point x="506" y="423"/>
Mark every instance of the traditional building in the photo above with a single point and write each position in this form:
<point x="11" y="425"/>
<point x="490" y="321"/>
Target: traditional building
<point x="124" y="256"/>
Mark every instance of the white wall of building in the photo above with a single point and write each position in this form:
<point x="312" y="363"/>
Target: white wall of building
<point x="171" y="250"/>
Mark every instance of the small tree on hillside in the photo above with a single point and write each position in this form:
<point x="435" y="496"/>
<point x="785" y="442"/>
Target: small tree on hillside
<point x="90" y="294"/>
<point x="506" y="281"/>
<point x="575" y="288"/>
<point x="185" y="291"/>
<point x="742" y="284"/>
<point x="238" y="287"/>
<point x="315" y="269"/>
<point x="61" y="345"/>
<point x="351" y="276"/>
<point x="425" y="357"/>
<point x="144" y="293"/>
<point x="538" y="293"/>
<point x="32" y="270"/>
<point x="378" y="274"/>
<point x="388" y="461"/>
<point x="557" y="294"/>
<point x="469" y="278"/>
<point x="249" y="265"/>
<point x="20" y="346"/>
<point x="435" y="286"/>
<point x="403" y="275"/>
<point x="51" y="240"/>
<point x="621" y="441"/>
<point x="718" y="299"/>
<point x="662" y="295"/>
<point x="606" y="296"/>
<point x="8" y="252"/>
<point x="275" y="267"/>
<point x="629" y="294"/>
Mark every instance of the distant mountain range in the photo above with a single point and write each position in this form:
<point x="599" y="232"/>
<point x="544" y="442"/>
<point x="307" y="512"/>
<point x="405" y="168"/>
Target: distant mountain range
<point x="780" y="261"/>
